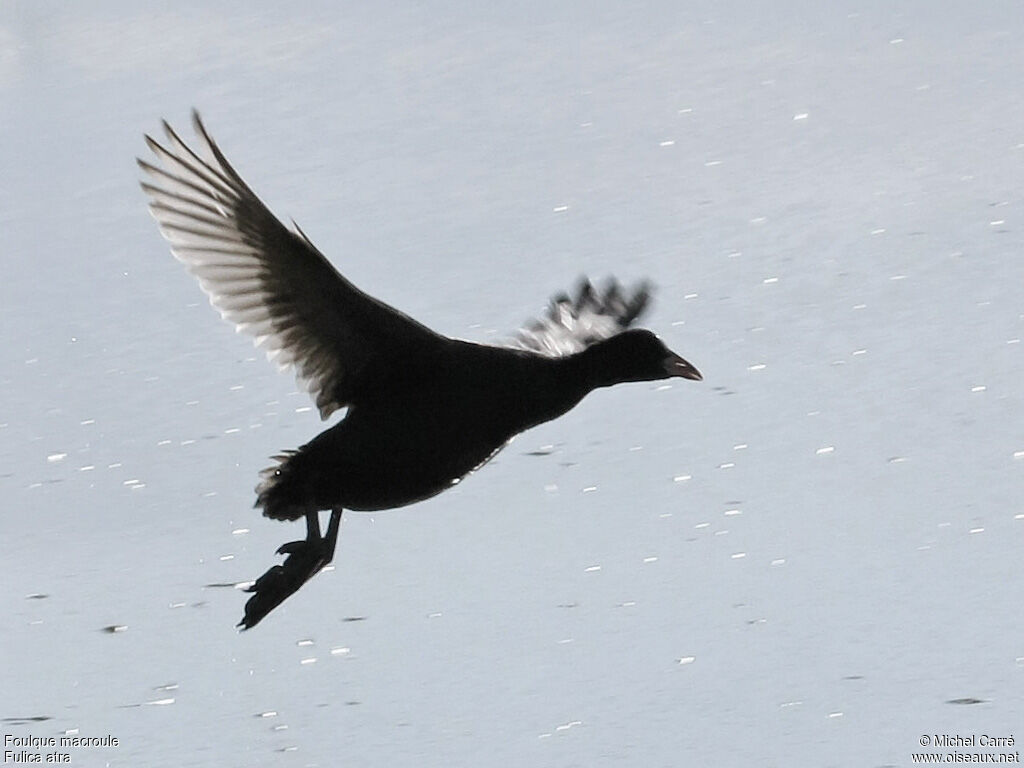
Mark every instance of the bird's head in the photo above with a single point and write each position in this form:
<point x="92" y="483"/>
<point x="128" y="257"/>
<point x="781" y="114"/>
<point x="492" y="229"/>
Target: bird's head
<point x="635" y="355"/>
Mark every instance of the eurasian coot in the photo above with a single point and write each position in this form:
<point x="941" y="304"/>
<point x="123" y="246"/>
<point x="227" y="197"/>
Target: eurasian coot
<point x="424" y="410"/>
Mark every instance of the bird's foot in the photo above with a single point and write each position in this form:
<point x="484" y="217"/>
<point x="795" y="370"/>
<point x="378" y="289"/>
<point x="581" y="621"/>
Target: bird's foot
<point x="293" y="546"/>
<point x="304" y="559"/>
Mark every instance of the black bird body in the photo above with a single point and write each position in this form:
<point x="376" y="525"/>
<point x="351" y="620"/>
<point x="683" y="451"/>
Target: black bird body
<point x="449" y="409"/>
<point x="423" y="410"/>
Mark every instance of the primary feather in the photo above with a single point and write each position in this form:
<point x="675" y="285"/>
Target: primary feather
<point x="269" y="281"/>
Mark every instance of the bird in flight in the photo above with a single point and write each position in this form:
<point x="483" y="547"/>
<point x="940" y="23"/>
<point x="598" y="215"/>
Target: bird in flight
<point x="422" y="410"/>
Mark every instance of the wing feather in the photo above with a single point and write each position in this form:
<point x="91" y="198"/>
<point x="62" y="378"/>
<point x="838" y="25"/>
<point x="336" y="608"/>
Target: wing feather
<point x="571" y="325"/>
<point x="272" y="282"/>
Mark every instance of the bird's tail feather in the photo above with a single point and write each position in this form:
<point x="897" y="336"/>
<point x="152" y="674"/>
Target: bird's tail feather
<point x="278" y="492"/>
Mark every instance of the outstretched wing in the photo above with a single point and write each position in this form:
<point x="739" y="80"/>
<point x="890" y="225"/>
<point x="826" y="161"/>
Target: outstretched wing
<point x="572" y="325"/>
<point x="269" y="281"/>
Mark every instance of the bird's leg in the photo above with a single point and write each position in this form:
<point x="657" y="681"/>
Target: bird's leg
<point x="332" y="534"/>
<point x="305" y="559"/>
<point x="312" y="536"/>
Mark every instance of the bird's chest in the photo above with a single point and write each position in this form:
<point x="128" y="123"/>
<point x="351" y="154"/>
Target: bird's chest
<point x="449" y="432"/>
<point x="416" y="441"/>
<point x="402" y="456"/>
<point x="446" y="430"/>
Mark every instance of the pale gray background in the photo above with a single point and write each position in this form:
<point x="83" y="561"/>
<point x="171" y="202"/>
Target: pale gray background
<point x="828" y="196"/>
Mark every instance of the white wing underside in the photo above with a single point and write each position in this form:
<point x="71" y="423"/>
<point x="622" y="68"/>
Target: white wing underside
<point x="196" y="201"/>
<point x="571" y="325"/>
<point x="268" y="281"/>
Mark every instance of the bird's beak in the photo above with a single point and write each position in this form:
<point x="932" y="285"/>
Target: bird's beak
<point x="676" y="366"/>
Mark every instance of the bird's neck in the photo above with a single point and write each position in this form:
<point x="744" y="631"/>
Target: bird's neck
<point x="594" y="368"/>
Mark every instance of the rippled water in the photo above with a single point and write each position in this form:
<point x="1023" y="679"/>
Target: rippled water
<point x="812" y="558"/>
